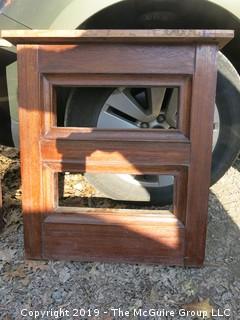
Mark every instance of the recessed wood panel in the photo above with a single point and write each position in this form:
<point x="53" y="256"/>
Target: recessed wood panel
<point x="118" y="58"/>
<point x="114" y="236"/>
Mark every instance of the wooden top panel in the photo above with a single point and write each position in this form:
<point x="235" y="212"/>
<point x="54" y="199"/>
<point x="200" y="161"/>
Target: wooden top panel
<point x="220" y="37"/>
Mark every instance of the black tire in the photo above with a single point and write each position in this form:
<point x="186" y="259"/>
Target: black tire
<point x="85" y="104"/>
<point x="228" y="104"/>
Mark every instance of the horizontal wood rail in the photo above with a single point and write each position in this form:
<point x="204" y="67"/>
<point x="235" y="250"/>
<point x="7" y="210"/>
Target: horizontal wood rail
<point x="114" y="156"/>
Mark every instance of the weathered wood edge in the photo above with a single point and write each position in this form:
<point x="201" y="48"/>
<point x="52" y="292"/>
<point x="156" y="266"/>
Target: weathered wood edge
<point x="222" y="37"/>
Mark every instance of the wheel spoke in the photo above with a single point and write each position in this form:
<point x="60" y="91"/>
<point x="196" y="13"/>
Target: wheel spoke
<point x="172" y="109"/>
<point x="127" y="105"/>
<point x="215" y="128"/>
<point x="112" y="121"/>
<point x="155" y="97"/>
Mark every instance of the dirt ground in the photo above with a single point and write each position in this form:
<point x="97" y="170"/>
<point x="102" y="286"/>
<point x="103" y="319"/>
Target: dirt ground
<point x="96" y="288"/>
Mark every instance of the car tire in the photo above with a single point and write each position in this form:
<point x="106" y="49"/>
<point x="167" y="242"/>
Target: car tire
<point x="84" y="106"/>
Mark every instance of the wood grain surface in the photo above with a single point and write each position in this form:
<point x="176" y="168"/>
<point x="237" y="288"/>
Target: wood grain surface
<point x="114" y="58"/>
<point x="111" y="236"/>
<point x="115" y="157"/>
<point x="221" y="37"/>
<point x="30" y="130"/>
<point x="201" y="131"/>
<point x="182" y="58"/>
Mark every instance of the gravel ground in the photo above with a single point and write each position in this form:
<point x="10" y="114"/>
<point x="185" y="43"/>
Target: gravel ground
<point x="50" y="286"/>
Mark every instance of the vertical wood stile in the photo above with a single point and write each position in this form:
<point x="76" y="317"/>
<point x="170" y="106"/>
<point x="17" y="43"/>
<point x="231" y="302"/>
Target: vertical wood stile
<point x="30" y="130"/>
<point x="201" y="128"/>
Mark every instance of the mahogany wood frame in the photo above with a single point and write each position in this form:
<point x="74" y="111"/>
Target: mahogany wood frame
<point x="184" y="59"/>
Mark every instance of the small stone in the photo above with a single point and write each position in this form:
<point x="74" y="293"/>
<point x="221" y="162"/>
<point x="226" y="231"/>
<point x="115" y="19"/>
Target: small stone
<point x="64" y="275"/>
<point x="57" y="296"/>
<point x="78" y="186"/>
<point x="226" y="296"/>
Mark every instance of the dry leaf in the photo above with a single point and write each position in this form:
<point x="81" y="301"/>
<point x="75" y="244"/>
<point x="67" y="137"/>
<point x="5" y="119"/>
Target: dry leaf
<point x="19" y="272"/>
<point x="154" y="296"/>
<point x="7" y="255"/>
<point x="36" y="265"/>
<point x="203" y="308"/>
<point x="9" y="199"/>
<point x="7" y="317"/>
<point x="10" y="152"/>
<point x="14" y="220"/>
<point x="25" y="281"/>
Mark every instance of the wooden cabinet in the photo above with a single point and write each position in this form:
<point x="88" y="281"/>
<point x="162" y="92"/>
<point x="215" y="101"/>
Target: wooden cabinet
<point x="185" y="59"/>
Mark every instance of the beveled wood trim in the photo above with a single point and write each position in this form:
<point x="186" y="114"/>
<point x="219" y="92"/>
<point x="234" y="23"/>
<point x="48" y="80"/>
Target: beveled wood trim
<point x="76" y="167"/>
<point x="182" y="82"/>
<point x="180" y="194"/>
<point x="179" y="197"/>
<point x="184" y="110"/>
<point x="134" y="135"/>
<point x="144" y="36"/>
<point x="48" y="95"/>
<point x="49" y="190"/>
<point x="106" y="80"/>
<point x="100" y="216"/>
